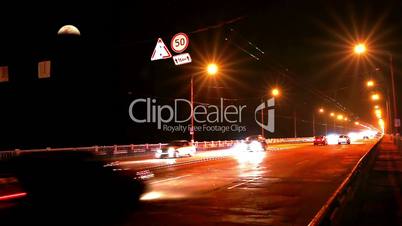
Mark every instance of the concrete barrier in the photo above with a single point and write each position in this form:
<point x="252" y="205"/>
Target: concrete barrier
<point x="335" y="205"/>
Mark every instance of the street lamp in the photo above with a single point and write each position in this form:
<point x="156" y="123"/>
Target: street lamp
<point x="375" y="97"/>
<point x="211" y="69"/>
<point x="378" y="113"/>
<point x="370" y="83"/>
<point x="275" y="92"/>
<point x="360" y="48"/>
<point x="357" y="123"/>
<point x="320" y="111"/>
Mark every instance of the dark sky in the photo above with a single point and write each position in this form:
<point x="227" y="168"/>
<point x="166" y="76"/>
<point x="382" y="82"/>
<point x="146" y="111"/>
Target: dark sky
<point x="306" y="45"/>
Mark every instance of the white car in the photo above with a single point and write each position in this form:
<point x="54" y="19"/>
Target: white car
<point x="343" y="139"/>
<point x="176" y="149"/>
<point x="254" y="143"/>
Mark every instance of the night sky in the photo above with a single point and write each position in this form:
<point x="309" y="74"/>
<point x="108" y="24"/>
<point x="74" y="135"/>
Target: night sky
<point x="303" y="47"/>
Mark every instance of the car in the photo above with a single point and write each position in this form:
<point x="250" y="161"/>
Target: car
<point x="320" y="140"/>
<point x="343" y="139"/>
<point x="176" y="149"/>
<point x="253" y="143"/>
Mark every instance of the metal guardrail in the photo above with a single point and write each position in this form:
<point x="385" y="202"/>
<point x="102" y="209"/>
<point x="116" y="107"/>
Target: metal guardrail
<point x="331" y="209"/>
<point x="143" y="148"/>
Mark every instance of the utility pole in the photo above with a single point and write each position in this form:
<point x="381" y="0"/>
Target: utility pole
<point x="396" y="126"/>
<point x="334" y="125"/>
<point x="313" y="124"/>
<point x="294" y="123"/>
<point x="192" y="108"/>
<point x="262" y="120"/>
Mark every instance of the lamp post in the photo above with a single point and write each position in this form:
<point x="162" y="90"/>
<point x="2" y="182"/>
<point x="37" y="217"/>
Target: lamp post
<point x="211" y="69"/>
<point x="360" y="49"/>
<point x="396" y="125"/>
<point x="320" y="111"/>
<point x="333" y="116"/>
<point x="275" y="92"/>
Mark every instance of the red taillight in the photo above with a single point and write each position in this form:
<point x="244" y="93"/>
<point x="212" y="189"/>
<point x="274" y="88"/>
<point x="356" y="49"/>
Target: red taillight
<point x="12" y="196"/>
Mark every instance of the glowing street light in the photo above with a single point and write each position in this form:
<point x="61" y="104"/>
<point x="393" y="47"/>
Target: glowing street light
<point x="212" y="69"/>
<point x="321" y="110"/>
<point x="382" y="124"/>
<point x="360" y="48"/>
<point x="375" y="96"/>
<point x="376" y="107"/>
<point x="339" y="117"/>
<point x="275" y="92"/>
<point x="332" y="114"/>
<point x="357" y="123"/>
<point x="378" y="113"/>
<point x="370" y="83"/>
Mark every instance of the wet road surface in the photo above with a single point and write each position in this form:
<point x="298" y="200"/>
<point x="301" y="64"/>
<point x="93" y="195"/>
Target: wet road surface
<point x="284" y="186"/>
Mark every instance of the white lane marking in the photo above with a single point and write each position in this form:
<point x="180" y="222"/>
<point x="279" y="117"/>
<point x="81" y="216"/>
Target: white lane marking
<point x="170" y="179"/>
<point x="245" y="182"/>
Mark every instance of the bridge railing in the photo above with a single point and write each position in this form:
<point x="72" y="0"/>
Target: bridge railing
<point x="143" y="148"/>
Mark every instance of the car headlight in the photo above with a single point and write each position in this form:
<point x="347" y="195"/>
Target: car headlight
<point x="255" y="146"/>
<point x="240" y="146"/>
<point x="171" y="151"/>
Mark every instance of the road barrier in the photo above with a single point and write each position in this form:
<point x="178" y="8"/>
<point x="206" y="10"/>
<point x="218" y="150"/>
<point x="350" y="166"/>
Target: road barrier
<point x="143" y="148"/>
<point x="336" y="204"/>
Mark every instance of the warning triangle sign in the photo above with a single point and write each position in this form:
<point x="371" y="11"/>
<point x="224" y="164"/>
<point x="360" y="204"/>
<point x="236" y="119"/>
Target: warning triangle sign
<point x="160" y="51"/>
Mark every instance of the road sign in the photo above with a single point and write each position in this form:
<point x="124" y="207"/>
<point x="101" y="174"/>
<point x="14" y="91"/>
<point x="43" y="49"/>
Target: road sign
<point x="160" y="51"/>
<point x="183" y="58"/>
<point x="397" y="122"/>
<point x="179" y="42"/>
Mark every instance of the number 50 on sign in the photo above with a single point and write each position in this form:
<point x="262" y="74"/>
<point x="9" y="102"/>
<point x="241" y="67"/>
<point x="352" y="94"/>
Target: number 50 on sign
<point x="179" y="42"/>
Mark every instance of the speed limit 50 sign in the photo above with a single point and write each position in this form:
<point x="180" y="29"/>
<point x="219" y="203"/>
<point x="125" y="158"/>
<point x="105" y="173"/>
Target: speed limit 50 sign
<point x="179" y="42"/>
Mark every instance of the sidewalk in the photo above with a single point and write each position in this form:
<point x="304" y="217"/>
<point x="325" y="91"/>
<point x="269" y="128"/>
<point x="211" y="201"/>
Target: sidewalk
<point x="379" y="200"/>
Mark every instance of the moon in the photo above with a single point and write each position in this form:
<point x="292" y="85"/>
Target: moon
<point x="69" y="30"/>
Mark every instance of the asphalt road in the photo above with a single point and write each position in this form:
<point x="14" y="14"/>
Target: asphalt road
<point x="284" y="186"/>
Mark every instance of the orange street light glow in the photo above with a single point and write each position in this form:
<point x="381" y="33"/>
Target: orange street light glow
<point x="339" y="117"/>
<point x="275" y="92"/>
<point x="212" y="69"/>
<point x="375" y="97"/>
<point x="357" y="123"/>
<point x="332" y="114"/>
<point x="382" y="124"/>
<point x="378" y="113"/>
<point x="360" y="48"/>
<point x="376" y="107"/>
<point x="370" y="83"/>
<point x="321" y="110"/>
